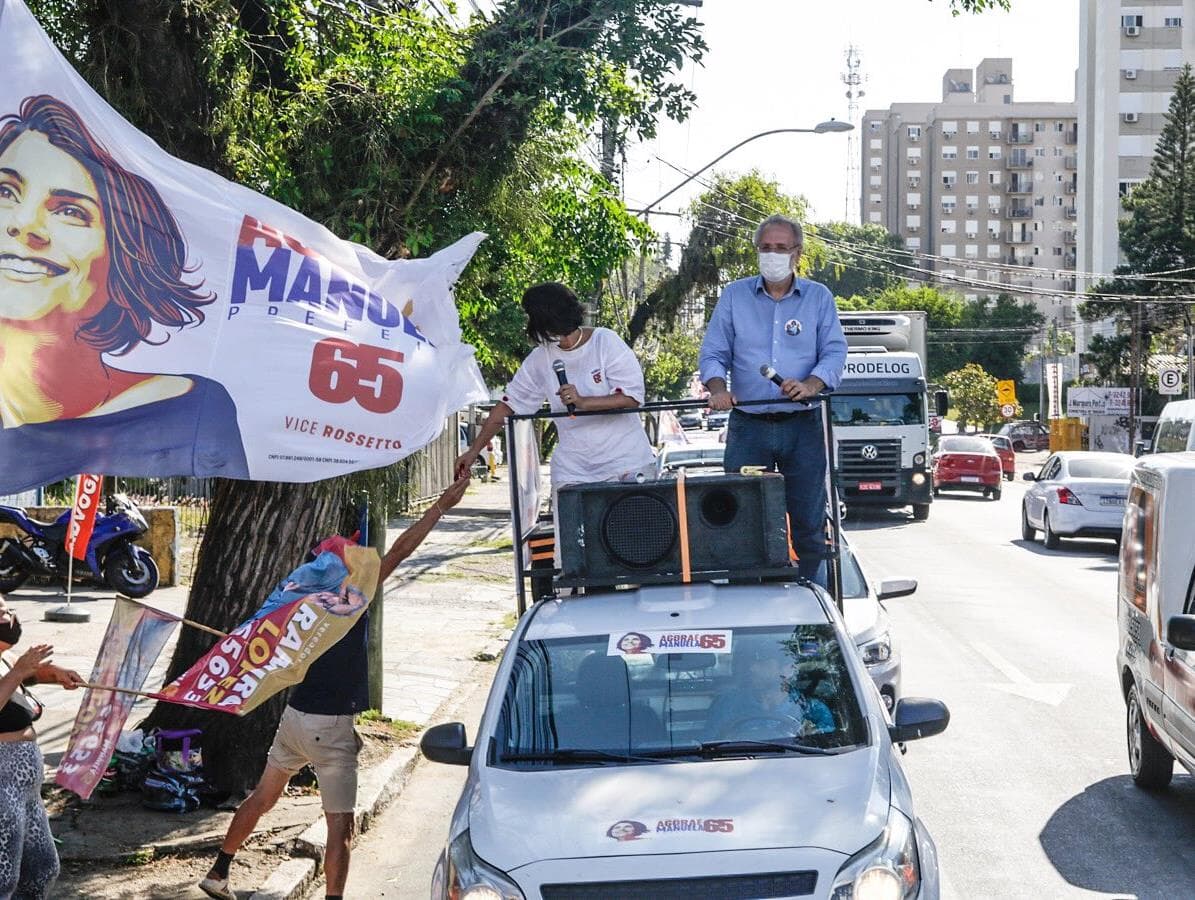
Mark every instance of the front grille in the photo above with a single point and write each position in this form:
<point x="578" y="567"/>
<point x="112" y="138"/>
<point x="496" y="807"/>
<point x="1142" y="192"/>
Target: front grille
<point x="719" y="887"/>
<point x="854" y="464"/>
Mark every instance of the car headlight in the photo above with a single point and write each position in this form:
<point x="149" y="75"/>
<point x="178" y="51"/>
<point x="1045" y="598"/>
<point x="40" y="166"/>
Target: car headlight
<point x="919" y="459"/>
<point x="886" y="869"/>
<point x="877" y="651"/>
<point x="467" y="877"/>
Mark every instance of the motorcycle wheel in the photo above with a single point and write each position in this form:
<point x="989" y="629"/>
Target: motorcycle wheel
<point x="131" y="571"/>
<point x="12" y="577"/>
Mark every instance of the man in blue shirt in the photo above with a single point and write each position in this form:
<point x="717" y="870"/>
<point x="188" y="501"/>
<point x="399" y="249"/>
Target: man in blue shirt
<point x="790" y="324"/>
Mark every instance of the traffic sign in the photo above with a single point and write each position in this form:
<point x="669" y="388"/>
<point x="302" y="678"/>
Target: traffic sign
<point x="1008" y="410"/>
<point x="1006" y="392"/>
<point x="1170" y="381"/>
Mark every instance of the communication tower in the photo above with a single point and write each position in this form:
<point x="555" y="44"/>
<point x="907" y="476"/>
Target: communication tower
<point x="852" y="77"/>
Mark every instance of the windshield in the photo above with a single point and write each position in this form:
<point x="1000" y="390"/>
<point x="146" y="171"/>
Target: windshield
<point x="1100" y="468"/>
<point x="634" y="694"/>
<point x="853" y="582"/>
<point x="965" y="445"/>
<point x="877" y="409"/>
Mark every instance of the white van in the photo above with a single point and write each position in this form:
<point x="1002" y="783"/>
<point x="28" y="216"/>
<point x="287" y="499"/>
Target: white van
<point x="1174" y="433"/>
<point x="1156" y="618"/>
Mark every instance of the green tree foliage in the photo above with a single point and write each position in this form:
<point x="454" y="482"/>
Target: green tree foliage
<point x="942" y="308"/>
<point x="995" y="336"/>
<point x="1159" y="233"/>
<point x="973" y="395"/>
<point x="669" y="361"/>
<point x="719" y="249"/>
<point x="857" y="270"/>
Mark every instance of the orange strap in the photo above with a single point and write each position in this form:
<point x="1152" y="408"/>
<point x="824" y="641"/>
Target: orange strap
<point x="542" y="542"/>
<point x="686" y="574"/>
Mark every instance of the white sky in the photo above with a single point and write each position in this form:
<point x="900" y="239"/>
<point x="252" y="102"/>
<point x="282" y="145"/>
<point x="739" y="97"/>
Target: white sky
<point x="778" y="64"/>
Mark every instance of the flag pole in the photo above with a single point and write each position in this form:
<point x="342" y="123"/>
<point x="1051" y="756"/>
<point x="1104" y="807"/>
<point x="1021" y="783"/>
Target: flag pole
<point x="169" y="615"/>
<point x="118" y="690"/>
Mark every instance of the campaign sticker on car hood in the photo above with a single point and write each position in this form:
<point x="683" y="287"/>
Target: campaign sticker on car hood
<point x="640" y="643"/>
<point x="626" y="830"/>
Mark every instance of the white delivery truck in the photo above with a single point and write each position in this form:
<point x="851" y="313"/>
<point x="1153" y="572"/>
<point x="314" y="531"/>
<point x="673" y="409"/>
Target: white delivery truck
<point x="1155" y="652"/>
<point x="882" y="413"/>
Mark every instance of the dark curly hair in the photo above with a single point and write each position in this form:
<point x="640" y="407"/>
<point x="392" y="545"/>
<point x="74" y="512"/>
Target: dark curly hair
<point x="147" y="253"/>
<point x="553" y="310"/>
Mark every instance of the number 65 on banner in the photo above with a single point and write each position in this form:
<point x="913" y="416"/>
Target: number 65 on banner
<point x="342" y="371"/>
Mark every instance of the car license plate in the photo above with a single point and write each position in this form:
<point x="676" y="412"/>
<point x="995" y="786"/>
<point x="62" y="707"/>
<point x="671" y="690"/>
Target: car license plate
<point x="870" y="486"/>
<point x="1111" y="501"/>
<point x="974" y="479"/>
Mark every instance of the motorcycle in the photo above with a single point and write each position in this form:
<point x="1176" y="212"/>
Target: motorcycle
<point x="112" y="557"/>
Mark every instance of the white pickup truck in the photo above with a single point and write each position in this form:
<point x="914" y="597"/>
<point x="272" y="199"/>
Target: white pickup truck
<point x="1156" y="618"/>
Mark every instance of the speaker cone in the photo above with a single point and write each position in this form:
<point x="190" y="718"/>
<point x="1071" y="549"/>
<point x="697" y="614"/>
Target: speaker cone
<point x="639" y="530"/>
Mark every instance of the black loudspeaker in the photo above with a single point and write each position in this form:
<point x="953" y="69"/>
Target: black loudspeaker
<point x="613" y="532"/>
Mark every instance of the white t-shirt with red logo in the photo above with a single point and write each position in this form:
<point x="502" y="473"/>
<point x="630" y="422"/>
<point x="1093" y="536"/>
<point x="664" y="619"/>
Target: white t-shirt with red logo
<point x="591" y="448"/>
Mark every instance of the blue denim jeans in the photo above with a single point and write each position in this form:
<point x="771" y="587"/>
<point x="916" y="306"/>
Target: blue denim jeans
<point x="795" y="447"/>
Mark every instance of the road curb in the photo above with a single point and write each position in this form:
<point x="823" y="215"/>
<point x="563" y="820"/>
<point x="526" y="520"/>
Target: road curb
<point x="379" y="787"/>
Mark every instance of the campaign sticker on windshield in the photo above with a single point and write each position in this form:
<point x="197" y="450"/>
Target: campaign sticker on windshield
<point x="641" y="643"/>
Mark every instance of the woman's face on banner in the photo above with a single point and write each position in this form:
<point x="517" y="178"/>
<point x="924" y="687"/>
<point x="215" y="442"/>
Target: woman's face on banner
<point x="53" y="243"/>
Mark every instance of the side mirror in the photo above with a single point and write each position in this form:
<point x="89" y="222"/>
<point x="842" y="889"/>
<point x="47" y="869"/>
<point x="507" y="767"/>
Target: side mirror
<point x="1029" y="476"/>
<point x="1139" y="448"/>
<point x="446" y="744"/>
<point x="918" y="717"/>
<point x="896" y="587"/>
<point x="1180" y="631"/>
<point x="941" y="402"/>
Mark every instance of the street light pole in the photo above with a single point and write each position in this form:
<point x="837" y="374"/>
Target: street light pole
<point x="831" y="125"/>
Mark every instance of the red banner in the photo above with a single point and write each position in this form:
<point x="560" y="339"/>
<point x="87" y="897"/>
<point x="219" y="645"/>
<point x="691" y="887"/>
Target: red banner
<point x="87" y="498"/>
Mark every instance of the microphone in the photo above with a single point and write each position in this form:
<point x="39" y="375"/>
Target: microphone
<point x="767" y="372"/>
<point x="558" y="368"/>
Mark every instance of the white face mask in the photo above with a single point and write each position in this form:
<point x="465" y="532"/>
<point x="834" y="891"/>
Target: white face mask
<point x="775" y="267"/>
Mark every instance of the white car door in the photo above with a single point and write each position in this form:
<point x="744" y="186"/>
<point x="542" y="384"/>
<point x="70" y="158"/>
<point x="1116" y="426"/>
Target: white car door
<point x="1035" y="498"/>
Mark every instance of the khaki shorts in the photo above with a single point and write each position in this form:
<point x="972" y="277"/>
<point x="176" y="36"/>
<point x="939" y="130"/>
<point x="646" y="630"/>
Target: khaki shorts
<point x="330" y="744"/>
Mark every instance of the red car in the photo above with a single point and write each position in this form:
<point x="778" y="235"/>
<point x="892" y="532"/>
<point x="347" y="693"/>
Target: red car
<point x="1004" y="450"/>
<point x="1026" y="435"/>
<point x="966" y="463"/>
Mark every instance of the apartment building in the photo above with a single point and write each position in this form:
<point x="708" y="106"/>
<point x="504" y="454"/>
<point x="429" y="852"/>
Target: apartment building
<point x="978" y="183"/>
<point x="1129" y="57"/>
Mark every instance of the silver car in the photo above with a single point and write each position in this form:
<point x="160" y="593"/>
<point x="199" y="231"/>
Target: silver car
<point x="1076" y="494"/>
<point x="868" y="623"/>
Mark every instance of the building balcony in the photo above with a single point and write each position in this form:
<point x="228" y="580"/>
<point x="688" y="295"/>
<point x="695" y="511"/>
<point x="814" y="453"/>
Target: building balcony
<point x="1019" y="162"/>
<point x="1016" y="236"/>
<point x="1072" y="213"/>
<point x="1019" y="187"/>
<point x="1071" y="136"/>
<point x="1068" y="260"/>
<point x="1070" y="187"/>
<point x="1071" y="162"/>
<point x="1020" y="137"/>
<point x="1015" y="260"/>
<point x="1068" y="237"/>
<point x="1067" y="284"/>
<point x="1019" y="212"/>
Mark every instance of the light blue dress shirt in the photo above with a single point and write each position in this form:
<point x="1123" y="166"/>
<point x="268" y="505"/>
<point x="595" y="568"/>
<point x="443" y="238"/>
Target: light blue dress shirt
<point x="798" y="335"/>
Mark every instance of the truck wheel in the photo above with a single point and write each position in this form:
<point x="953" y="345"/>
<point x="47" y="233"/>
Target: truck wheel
<point x="1151" y="765"/>
<point x="1028" y="532"/>
<point x="1048" y="537"/>
<point x="920" y="512"/>
<point x="131" y="571"/>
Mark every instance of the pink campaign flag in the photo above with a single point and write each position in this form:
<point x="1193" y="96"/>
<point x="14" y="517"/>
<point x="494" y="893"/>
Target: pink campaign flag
<point x="135" y="637"/>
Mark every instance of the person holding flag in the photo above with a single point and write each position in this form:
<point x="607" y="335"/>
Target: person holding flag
<point x="317" y="729"/>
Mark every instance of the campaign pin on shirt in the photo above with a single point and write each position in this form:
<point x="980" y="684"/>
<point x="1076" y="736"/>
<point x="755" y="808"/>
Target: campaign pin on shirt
<point x="792" y="327"/>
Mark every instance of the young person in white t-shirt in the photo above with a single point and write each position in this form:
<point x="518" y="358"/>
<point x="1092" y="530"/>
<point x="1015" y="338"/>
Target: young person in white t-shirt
<point x="602" y="373"/>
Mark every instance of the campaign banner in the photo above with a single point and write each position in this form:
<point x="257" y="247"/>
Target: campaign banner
<point x="670" y="431"/>
<point x="309" y="611"/>
<point x="82" y="522"/>
<point x="131" y="645"/>
<point x="1098" y="401"/>
<point x="157" y="319"/>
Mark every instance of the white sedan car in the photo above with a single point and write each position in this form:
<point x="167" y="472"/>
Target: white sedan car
<point x="868" y="623"/>
<point x="690" y="456"/>
<point x="1076" y="493"/>
<point x="686" y="741"/>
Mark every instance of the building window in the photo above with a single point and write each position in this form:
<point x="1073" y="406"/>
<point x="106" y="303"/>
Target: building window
<point x="914" y="132"/>
<point x="972" y="202"/>
<point x="1058" y="151"/>
<point x="1125" y="188"/>
<point x="972" y="153"/>
<point x="914" y="155"/>
<point x="993" y="152"/>
<point x="971" y="227"/>
<point x="1059" y="127"/>
<point x="873" y="181"/>
<point x="949" y="226"/>
<point x="1173" y="22"/>
<point x="1039" y="151"/>
<point x="993" y="178"/>
<point x="874" y="216"/>
<point x="949" y="250"/>
<point x="874" y="125"/>
<point x="950" y="153"/>
<point x="972" y="178"/>
<point x="1057" y="251"/>
<point x="876" y="198"/>
<point x="949" y="129"/>
<point x="913" y="243"/>
<point x="1131" y="21"/>
<point x="994" y="205"/>
<point x="994" y="253"/>
<point x="876" y="162"/>
<point x="912" y="221"/>
<point x="1039" y="126"/>
<point x="995" y="129"/>
<point x="877" y="143"/>
<point x="972" y="128"/>
<point x="914" y="200"/>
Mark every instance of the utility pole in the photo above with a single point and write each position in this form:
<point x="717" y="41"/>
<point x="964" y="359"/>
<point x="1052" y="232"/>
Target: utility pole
<point x="853" y="79"/>
<point x="1190" y="353"/>
<point x="1135" y="374"/>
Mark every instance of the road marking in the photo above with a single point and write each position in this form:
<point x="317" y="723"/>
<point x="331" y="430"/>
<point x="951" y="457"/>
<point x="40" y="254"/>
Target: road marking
<point x="1019" y="684"/>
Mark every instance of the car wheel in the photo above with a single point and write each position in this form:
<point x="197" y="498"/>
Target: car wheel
<point x="1028" y="532"/>
<point x="1048" y="536"/>
<point x="1150" y="764"/>
<point x="1008" y="476"/>
<point x="920" y="512"/>
<point x="996" y="493"/>
<point x="1018" y="446"/>
<point x="937" y="492"/>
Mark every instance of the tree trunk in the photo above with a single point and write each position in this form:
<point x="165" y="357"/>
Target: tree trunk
<point x="257" y="534"/>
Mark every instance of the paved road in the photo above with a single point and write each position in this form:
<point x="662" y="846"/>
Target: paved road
<point x="1027" y="792"/>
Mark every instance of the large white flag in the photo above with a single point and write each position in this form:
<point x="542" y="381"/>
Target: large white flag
<point x="156" y="319"/>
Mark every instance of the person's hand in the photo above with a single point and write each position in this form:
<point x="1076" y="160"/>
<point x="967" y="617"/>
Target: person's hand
<point x="568" y="394"/>
<point x="796" y="389"/>
<point x="455" y="492"/>
<point x="464" y="462"/>
<point x="31" y="659"/>
<point x="721" y="401"/>
<point x="65" y="678"/>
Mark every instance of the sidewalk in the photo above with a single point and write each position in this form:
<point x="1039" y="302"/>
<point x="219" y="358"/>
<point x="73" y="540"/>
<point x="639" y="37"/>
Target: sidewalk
<point x="443" y="608"/>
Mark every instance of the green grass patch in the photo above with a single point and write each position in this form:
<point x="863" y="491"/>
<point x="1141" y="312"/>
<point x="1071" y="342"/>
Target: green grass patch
<point x="502" y="543"/>
<point x="401" y="728"/>
<point x="140" y="857"/>
<point x="510" y="620"/>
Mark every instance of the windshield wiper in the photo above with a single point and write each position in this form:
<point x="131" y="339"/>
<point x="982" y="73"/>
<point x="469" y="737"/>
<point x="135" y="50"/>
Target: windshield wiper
<point x="747" y="747"/>
<point x="571" y="754"/>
